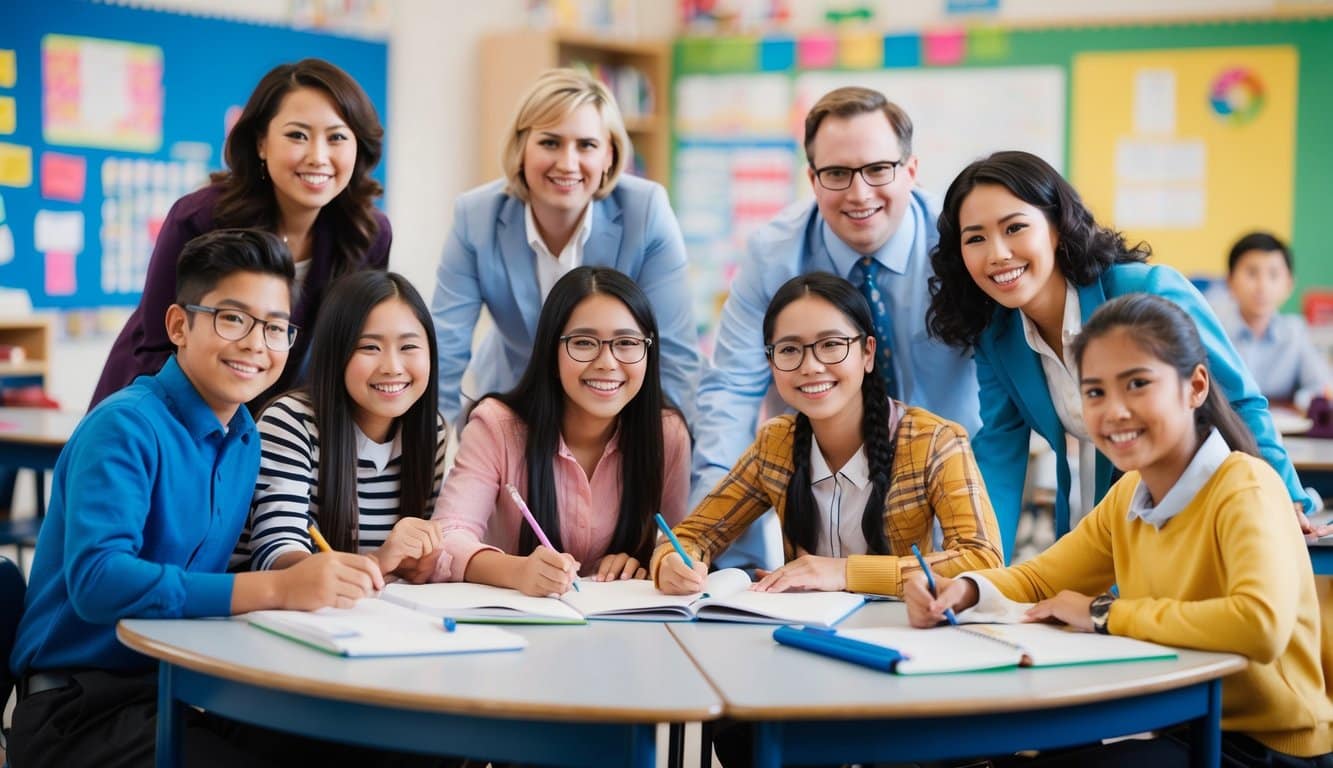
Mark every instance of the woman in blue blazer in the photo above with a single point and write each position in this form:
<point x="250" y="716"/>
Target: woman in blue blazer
<point x="563" y="203"/>
<point x="1020" y="266"/>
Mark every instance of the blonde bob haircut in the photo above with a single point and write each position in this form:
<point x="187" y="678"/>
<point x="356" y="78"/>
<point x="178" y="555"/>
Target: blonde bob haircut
<point x="556" y="94"/>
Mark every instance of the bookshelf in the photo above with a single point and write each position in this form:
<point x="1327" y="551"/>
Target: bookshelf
<point x="511" y="61"/>
<point x="33" y="335"/>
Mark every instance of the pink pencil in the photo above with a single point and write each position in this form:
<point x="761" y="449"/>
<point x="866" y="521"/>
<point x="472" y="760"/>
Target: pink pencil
<point x="532" y="521"/>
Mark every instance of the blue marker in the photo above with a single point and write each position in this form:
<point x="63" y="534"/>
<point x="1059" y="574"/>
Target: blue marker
<point x="675" y="542"/>
<point x="930" y="583"/>
<point x="449" y="624"/>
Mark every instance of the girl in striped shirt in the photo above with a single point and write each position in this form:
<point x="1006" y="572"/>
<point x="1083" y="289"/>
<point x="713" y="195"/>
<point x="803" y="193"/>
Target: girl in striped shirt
<point x="359" y="450"/>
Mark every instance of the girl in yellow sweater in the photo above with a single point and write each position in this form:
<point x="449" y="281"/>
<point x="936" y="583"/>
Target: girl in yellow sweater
<point x="1196" y="537"/>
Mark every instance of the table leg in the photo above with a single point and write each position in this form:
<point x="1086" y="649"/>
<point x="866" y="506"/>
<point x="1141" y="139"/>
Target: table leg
<point x="676" y="745"/>
<point x="1206" y="732"/>
<point x="706" y="745"/>
<point x="768" y="745"/>
<point x="169" y="716"/>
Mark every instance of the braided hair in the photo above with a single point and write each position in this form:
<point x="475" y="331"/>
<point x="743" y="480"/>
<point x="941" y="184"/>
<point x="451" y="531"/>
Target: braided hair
<point x="800" y="524"/>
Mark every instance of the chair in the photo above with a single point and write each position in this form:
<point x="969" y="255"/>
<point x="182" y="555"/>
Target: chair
<point x="19" y="533"/>
<point x="12" y="588"/>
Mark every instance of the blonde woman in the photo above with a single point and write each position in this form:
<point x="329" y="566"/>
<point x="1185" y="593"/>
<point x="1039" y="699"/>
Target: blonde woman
<point x="563" y="203"/>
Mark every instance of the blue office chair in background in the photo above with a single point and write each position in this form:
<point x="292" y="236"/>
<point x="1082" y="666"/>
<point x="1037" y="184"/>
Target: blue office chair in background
<point x="12" y="588"/>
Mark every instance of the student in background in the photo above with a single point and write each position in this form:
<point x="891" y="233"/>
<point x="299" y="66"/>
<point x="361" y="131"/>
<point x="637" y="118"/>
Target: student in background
<point x="1276" y="347"/>
<point x="856" y="476"/>
<point x="868" y="223"/>
<point x="360" y="449"/>
<point x="1020" y="266"/>
<point x="148" y="498"/>
<point x="299" y="160"/>
<point x="563" y="202"/>
<point x="587" y="438"/>
<point x="1196" y="536"/>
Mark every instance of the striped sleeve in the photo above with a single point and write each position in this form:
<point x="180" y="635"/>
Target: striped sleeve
<point x="288" y="466"/>
<point x="441" y="450"/>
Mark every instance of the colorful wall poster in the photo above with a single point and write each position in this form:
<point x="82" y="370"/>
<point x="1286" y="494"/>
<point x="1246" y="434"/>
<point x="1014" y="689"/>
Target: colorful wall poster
<point x="101" y="93"/>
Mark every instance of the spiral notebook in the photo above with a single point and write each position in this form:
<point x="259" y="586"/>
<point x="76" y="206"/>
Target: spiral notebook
<point x="970" y="648"/>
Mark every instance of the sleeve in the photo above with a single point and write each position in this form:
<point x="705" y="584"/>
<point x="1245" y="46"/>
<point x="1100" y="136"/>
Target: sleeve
<point x="727" y="511"/>
<point x="1257" y="611"/>
<point x="1001" y="448"/>
<point x="665" y="281"/>
<point x="280" y="513"/>
<point x="1315" y="378"/>
<point x="1230" y="373"/>
<point x="675" y="469"/>
<point x="957" y="499"/>
<point x="733" y="385"/>
<point x="159" y="291"/>
<point x="441" y="454"/>
<point x="111" y="466"/>
<point x="468" y="498"/>
<point x="378" y="256"/>
<point x="455" y="307"/>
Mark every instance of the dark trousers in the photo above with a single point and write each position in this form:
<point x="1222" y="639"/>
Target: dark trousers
<point x="1168" y="750"/>
<point x="109" y="721"/>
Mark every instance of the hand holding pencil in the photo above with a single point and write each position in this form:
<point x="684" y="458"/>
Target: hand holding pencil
<point x="546" y="571"/>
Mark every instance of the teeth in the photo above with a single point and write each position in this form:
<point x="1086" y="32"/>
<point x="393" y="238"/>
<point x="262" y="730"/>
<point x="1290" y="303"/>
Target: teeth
<point x="314" y="178"/>
<point x="390" y="388"/>
<point x="1010" y="276"/>
<point x="1123" y="437"/>
<point x="568" y="183"/>
<point x="862" y="214"/>
<point x="604" y="386"/>
<point x="242" y="367"/>
<point x="814" y="389"/>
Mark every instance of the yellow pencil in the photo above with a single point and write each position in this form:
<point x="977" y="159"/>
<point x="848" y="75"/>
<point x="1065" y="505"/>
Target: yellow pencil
<point x="319" y="540"/>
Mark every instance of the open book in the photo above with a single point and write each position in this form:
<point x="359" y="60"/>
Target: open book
<point x="377" y="628"/>
<point x="971" y="648"/>
<point x="727" y="598"/>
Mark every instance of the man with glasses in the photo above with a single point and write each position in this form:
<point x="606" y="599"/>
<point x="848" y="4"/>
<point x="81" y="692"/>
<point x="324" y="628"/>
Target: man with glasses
<point x="868" y="223"/>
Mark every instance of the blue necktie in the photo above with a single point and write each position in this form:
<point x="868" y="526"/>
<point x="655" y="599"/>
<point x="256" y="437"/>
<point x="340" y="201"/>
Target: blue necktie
<point x="879" y="313"/>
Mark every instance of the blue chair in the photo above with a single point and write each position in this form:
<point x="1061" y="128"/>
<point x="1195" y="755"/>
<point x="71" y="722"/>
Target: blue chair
<point x="12" y="588"/>
<point x="20" y="533"/>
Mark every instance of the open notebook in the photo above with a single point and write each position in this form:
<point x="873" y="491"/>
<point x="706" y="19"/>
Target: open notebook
<point x="971" y="647"/>
<point x="378" y="628"/>
<point x="727" y="598"/>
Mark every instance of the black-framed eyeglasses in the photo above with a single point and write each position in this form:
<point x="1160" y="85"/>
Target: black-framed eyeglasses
<point x="627" y="349"/>
<point x="233" y="325"/>
<point x="830" y="350"/>
<point x="836" y="178"/>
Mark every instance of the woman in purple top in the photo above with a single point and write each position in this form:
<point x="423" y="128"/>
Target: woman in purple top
<point x="299" y="160"/>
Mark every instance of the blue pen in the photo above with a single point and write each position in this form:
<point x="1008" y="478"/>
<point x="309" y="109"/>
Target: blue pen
<point x="930" y="583"/>
<point x="449" y="624"/>
<point x="675" y="542"/>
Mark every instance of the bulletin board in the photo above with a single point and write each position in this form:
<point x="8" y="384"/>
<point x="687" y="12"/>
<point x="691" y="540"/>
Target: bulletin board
<point x="108" y="115"/>
<point x="1191" y="133"/>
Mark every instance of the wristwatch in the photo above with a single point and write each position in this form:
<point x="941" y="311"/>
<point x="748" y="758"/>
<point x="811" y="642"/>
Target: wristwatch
<point x="1100" y="611"/>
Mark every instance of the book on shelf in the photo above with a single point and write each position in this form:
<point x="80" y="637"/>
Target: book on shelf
<point x="727" y="597"/>
<point x="12" y="353"/>
<point x="970" y="647"/>
<point x="375" y="627"/>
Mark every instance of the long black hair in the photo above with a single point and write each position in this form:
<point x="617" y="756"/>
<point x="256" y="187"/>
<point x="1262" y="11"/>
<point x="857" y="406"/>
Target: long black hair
<point x="959" y="309"/>
<point x="1163" y="330"/>
<point x="349" y="302"/>
<point x="539" y="399"/>
<point x="801" y="522"/>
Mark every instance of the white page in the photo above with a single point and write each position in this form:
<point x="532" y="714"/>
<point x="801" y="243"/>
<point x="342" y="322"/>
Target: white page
<point x="462" y="600"/>
<point x="1047" y="645"/>
<point x="938" y="650"/>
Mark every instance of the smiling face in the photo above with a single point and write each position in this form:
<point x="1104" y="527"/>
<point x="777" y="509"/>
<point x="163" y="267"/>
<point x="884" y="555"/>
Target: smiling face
<point x="1008" y="247"/>
<point x="1260" y="283"/>
<point x="824" y="392"/>
<point x="231" y="373"/>
<point x="1138" y="410"/>
<point x="862" y="216"/>
<point x="599" y="390"/>
<point x="563" y="164"/>
<point x="389" y="368"/>
<point x="309" y="152"/>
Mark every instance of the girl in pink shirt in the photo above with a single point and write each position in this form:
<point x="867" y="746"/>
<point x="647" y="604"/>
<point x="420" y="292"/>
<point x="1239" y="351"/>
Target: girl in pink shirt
<point x="586" y="437"/>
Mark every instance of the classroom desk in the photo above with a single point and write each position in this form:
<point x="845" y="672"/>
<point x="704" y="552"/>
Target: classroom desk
<point x="812" y="709"/>
<point x="33" y="437"/>
<point x="580" y="695"/>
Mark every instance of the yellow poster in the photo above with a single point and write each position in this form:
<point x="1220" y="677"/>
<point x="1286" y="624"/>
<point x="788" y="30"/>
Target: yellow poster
<point x="1186" y="149"/>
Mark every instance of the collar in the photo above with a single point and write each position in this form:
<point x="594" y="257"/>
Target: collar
<point x="379" y="454"/>
<point x="857" y="469"/>
<point x="893" y="255"/>
<point x="188" y="406"/>
<point x="1070" y="326"/>
<point x="1200" y="470"/>
<point x="581" y="233"/>
<point x="612" y="445"/>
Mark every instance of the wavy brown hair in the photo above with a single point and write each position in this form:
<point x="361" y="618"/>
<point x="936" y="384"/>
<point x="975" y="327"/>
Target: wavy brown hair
<point x="247" y="194"/>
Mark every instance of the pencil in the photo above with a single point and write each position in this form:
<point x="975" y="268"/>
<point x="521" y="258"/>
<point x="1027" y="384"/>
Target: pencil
<point x="537" y="529"/>
<point x="675" y="542"/>
<point x="930" y="583"/>
<point x="319" y="539"/>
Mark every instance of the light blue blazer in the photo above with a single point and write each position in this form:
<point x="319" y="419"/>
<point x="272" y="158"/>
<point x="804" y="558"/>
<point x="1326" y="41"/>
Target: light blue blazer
<point x="1015" y="397"/>
<point x="487" y="261"/>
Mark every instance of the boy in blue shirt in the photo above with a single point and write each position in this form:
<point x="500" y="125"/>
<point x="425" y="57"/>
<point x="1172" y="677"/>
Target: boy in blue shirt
<point x="1276" y="347"/>
<point x="148" y="499"/>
